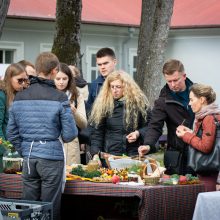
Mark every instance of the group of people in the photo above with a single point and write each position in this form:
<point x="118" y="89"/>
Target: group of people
<point x="44" y="107"/>
<point x="123" y="122"/>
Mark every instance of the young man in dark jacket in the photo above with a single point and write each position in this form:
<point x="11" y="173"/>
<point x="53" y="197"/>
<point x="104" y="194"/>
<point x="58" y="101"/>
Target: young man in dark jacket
<point x="171" y="108"/>
<point x="40" y="119"/>
<point x="106" y="61"/>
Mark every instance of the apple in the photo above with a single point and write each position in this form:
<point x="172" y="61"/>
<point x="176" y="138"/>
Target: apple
<point x="182" y="179"/>
<point x="166" y="176"/>
<point x="115" y="179"/>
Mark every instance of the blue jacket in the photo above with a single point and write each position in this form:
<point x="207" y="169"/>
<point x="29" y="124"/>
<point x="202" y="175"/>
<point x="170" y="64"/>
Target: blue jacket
<point x="38" y="117"/>
<point x="93" y="91"/>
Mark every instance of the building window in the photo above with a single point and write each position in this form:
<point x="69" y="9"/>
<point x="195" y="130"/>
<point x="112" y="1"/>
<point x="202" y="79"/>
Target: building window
<point x="11" y="52"/>
<point x="6" y="56"/>
<point x="132" y="61"/>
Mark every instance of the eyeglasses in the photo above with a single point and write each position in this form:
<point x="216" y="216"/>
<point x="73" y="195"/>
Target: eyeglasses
<point x="22" y="80"/>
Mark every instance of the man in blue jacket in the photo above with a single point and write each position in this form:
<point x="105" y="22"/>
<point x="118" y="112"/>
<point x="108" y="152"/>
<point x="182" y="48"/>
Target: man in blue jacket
<point x="40" y="119"/>
<point x="106" y="61"/>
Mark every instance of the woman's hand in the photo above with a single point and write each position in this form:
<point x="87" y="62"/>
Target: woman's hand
<point x="181" y="130"/>
<point x="133" y="136"/>
<point x="143" y="149"/>
<point x="73" y="108"/>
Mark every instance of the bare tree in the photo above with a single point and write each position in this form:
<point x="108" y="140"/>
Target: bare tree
<point x="66" y="43"/>
<point x="4" y="5"/>
<point x="153" y="36"/>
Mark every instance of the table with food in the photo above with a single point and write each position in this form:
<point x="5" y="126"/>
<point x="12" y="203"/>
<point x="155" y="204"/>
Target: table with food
<point x="160" y="196"/>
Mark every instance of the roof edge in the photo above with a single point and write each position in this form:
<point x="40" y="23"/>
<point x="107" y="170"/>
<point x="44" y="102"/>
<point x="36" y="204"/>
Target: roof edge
<point x="111" y="24"/>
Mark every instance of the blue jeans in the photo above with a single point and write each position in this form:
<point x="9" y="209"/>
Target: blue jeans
<point x="44" y="182"/>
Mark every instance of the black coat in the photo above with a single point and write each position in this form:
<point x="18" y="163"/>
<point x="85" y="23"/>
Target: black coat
<point x="110" y="135"/>
<point x="173" y="113"/>
<point x="167" y="110"/>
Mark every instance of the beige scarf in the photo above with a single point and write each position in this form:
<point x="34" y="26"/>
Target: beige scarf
<point x="207" y="110"/>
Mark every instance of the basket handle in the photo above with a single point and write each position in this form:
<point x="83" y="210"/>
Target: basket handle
<point x="144" y="170"/>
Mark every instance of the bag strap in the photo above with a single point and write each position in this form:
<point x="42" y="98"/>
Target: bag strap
<point x="217" y="123"/>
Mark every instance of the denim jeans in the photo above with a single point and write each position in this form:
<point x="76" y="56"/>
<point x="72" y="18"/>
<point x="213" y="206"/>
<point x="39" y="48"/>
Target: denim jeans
<point x="44" y="182"/>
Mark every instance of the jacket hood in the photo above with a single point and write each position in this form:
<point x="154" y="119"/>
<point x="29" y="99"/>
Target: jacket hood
<point x="80" y="82"/>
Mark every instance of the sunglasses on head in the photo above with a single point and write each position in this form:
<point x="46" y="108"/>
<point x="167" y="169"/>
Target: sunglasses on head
<point x="22" y="80"/>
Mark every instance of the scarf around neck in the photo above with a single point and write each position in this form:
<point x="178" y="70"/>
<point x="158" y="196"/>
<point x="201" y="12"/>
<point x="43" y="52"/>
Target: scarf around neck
<point x="207" y="110"/>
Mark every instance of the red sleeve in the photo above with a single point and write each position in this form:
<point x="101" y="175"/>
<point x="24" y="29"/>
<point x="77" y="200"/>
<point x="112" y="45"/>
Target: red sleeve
<point x="206" y="142"/>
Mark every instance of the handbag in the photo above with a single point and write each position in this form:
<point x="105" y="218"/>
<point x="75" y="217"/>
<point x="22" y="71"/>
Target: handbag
<point x="201" y="162"/>
<point x="173" y="162"/>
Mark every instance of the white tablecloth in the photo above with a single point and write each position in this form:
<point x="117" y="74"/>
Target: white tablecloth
<point x="207" y="206"/>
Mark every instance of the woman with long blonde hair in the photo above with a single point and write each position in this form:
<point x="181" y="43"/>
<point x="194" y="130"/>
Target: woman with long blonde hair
<point x="119" y="116"/>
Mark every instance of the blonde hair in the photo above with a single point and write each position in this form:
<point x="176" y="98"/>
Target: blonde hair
<point x="135" y="100"/>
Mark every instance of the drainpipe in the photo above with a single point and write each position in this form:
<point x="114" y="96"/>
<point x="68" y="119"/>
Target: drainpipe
<point x="125" y="54"/>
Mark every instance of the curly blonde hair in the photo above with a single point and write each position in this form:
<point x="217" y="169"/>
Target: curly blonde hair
<point x="135" y="100"/>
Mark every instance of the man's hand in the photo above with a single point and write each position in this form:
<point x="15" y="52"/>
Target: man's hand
<point x="133" y="136"/>
<point x="143" y="149"/>
<point x="96" y="157"/>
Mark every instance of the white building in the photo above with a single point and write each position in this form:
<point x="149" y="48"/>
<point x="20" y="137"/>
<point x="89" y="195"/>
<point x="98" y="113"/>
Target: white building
<point x="194" y="37"/>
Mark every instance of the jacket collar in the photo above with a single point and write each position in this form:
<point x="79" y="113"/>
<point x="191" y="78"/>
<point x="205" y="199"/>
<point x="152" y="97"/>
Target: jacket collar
<point x="35" y="79"/>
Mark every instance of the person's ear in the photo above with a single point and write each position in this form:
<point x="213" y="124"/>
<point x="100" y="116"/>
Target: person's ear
<point x="184" y="75"/>
<point x="115" y="61"/>
<point x="54" y="71"/>
<point x="203" y="100"/>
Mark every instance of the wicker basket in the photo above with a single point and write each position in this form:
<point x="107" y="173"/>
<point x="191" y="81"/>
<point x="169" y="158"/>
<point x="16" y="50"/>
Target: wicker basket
<point x="151" y="180"/>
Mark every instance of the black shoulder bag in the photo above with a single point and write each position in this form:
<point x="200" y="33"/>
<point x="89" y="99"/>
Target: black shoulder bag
<point x="201" y="162"/>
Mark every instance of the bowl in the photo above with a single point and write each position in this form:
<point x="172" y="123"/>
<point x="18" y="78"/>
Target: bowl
<point x="122" y="163"/>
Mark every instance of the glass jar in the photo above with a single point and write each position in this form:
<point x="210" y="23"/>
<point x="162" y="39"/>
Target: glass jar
<point x="132" y="177"/>
<point x="12" y="162"/>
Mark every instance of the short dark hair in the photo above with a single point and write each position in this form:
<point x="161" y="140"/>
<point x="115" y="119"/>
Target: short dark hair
<point x="105" y="52"/>
<point x="171" y="66"/>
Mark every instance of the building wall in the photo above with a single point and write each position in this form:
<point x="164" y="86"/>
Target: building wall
<point x="198" y="49"/>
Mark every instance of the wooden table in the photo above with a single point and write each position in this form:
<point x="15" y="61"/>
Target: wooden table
<point x="155" y="202"/>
